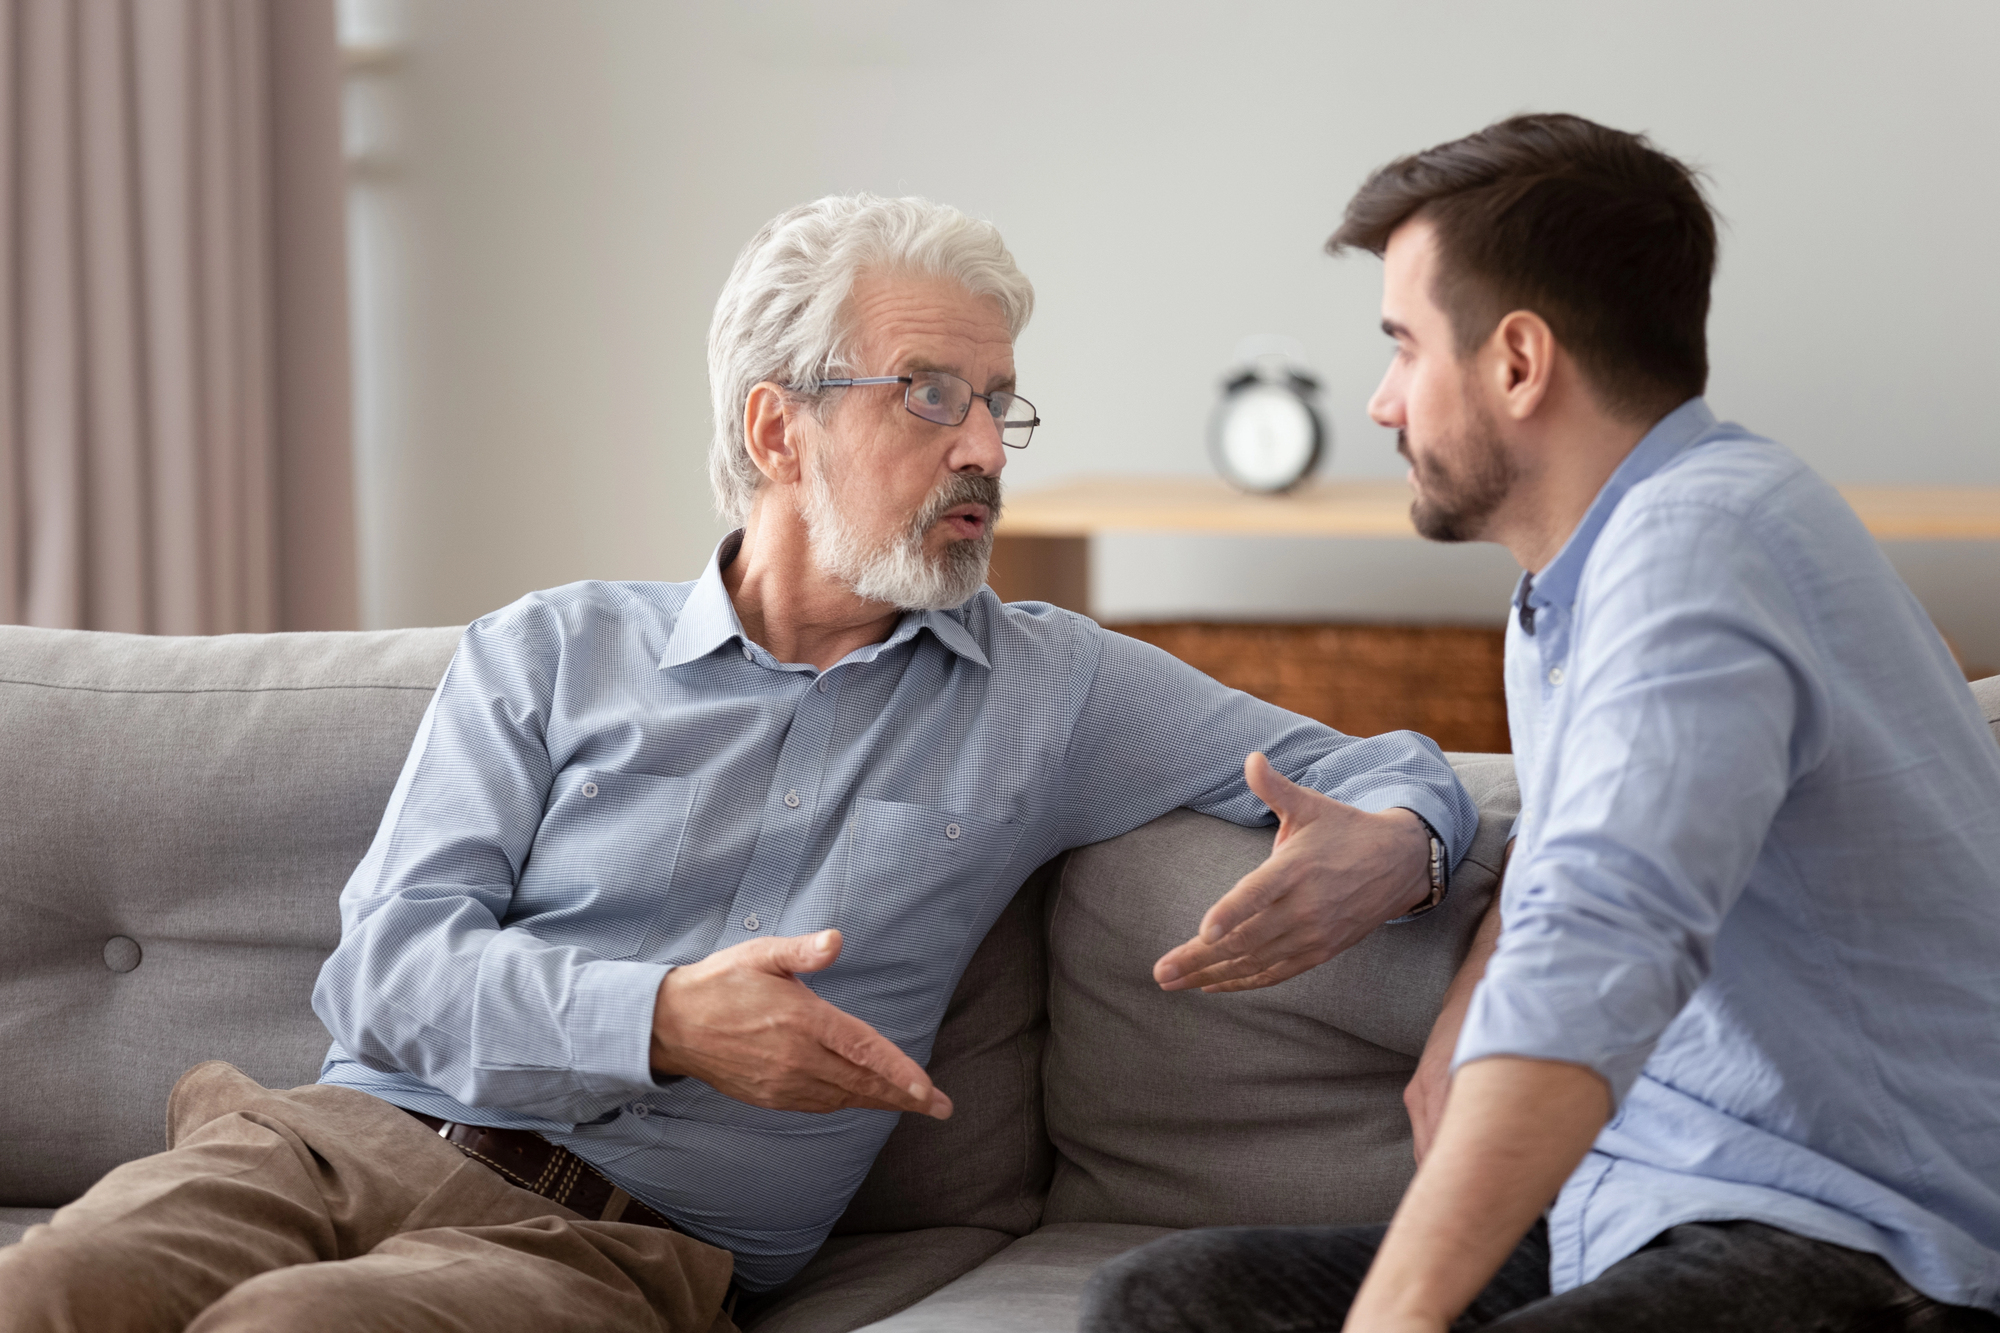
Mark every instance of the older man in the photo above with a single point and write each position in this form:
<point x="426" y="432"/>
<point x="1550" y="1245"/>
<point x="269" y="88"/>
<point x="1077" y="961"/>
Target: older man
<point x="674" y="886"/>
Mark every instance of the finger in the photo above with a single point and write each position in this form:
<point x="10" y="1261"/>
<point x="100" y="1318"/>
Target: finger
<point x="1224" y="965"/>
<point x="878" y="1062"/>
<point x="1252" y="895"/>
<point x="1273" y="788"/>
<point x="818" y="1095"/>
<point x="802" y="953"/>
<point x="1237" y="969"/>
<point x="824" y="1081"/>
<point x="1178" y="966"/>
<point x="1283" y="970"/>
<point x="858" y="1086"/>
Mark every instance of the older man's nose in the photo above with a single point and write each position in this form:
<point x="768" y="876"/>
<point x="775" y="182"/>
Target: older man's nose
<point x="977" y="447"/>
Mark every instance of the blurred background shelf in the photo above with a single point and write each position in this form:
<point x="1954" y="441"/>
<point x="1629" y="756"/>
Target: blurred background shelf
<point x="1363" y="679"/>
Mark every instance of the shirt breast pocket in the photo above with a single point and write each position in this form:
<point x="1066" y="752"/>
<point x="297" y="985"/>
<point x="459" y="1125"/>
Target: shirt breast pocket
<point x="919" y="879"/>
<point x="601" y="873"/>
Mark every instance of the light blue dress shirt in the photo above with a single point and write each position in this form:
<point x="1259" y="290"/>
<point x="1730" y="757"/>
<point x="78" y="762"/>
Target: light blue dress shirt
<point x="613" y="780"/>
<point x="1757" y="881"/>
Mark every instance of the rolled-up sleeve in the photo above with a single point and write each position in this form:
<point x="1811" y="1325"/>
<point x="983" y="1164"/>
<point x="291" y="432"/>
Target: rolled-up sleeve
<point x="1153" y="734"/>
<point x="1694" y="705"/>
<point x="427" y="980"/>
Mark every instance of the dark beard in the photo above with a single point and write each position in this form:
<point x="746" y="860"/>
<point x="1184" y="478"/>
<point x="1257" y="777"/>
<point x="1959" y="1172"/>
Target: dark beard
<point x="1454" y="506"/>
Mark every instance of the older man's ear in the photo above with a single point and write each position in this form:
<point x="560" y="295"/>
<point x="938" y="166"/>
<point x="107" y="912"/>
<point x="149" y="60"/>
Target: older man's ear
<point x="769" y="435"/>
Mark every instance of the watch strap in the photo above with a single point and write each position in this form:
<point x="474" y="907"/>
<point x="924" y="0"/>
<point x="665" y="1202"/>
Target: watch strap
<point x="1440" y="875"/>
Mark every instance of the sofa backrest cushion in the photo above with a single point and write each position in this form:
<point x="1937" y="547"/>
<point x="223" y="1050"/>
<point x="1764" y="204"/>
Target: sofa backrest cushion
<point x="989" y="1165"/>
<point x="180" y="815"/>
<point x="1273" y="1106"/>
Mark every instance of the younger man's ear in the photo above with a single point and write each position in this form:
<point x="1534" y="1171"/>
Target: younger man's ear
<point x="1524" y="357"/>
<point x="769" y="434"/>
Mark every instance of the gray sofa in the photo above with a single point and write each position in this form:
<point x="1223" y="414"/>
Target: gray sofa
<point x="180" y="815"/>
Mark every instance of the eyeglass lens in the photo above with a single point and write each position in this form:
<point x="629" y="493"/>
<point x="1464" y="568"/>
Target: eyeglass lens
<point x="944" y="398"/>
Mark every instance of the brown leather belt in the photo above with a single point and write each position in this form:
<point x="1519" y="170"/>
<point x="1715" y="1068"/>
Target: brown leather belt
<point x="525" y="1158"/>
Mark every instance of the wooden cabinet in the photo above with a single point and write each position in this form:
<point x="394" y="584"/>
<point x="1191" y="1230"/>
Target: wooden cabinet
<point x="1362" y="679"/>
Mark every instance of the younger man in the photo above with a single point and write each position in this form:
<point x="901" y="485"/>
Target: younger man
<point x="1742" y="1012"/>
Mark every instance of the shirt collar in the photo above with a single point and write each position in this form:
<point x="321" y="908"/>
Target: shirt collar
<point x="708" y="621"/>
<point x="1673" y="433"/>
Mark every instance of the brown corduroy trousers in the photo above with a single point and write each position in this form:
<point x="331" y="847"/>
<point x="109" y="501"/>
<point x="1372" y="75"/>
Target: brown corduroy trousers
<point x="323" y="1208"/>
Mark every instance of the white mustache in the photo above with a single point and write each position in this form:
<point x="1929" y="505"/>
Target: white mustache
<point x="962" y="489"/>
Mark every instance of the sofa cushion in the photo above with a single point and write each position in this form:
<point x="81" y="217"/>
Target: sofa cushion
<point x="1987" y="692"/>
<point x="1281" y="1105"/>
<point x="856" y="1280"/>
<point x="181" y="815"/>
<point x="1034" y="1285"/>
<point x="989" y="1165"/>
<point x="15" y="1221"/>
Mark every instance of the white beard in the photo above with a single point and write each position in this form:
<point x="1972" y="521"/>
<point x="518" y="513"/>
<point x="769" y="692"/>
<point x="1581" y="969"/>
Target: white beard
<point x="897" y="571"/>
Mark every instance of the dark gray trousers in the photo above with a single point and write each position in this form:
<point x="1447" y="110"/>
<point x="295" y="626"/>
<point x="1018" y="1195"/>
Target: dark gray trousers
<point x="1704" y="1276"/>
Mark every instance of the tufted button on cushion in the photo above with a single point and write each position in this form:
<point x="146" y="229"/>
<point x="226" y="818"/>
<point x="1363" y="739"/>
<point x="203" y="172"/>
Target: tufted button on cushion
<point x="210" y="795"/>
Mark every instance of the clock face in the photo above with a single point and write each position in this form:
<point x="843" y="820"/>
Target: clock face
<point x="1265" y="437"/>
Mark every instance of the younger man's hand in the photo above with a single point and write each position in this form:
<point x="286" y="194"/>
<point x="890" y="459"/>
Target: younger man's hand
<point x="742" y="1022"/>
<point x="1334" y="874"/>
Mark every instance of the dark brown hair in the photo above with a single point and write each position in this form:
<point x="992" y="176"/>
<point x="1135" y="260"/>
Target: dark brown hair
<point x="1595" y="230"/>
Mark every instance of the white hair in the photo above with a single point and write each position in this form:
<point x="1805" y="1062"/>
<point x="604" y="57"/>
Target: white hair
<point x="782" y="315"/>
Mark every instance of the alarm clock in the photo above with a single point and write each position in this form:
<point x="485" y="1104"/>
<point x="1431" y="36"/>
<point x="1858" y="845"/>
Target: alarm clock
<point x="1266" y="435"/>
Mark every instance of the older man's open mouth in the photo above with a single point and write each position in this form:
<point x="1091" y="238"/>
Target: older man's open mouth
<point x="968" y="520"/>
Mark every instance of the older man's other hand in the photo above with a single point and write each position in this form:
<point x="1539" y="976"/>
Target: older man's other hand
<point x="1334" y="874"/>
<point x="742" y="1022"/>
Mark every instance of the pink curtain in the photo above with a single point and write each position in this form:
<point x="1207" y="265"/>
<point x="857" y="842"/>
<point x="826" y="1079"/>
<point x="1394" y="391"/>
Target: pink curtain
<point x="174" y="428"/>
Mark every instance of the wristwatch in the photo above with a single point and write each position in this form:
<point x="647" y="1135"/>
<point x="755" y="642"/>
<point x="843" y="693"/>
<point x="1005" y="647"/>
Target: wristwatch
<point x="1440" y="875"/>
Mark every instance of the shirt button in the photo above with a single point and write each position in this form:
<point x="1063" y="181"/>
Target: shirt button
<point x="951" y="831"/>
<point x="747" y="654"/>
<point x="792" y="799"/>
<point x="822" y="684"/>
<point x="640" y="1110"/>
<point x="1555" y="675"/>
<point x="590" y="789"/>
<point x="751" y="923"/>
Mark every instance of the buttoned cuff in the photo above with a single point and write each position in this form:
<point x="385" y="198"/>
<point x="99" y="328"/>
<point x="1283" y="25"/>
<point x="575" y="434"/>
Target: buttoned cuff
<point x="1426" y="806"/>
<point x="611" y="1026"/>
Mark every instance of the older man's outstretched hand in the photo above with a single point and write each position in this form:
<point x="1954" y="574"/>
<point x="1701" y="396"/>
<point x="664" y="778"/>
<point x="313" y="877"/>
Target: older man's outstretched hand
<point x="1334" y="874"/>
<point x="742" y="1022"/>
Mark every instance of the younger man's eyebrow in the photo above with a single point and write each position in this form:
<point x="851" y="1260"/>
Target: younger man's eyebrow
<point x="1395" y="330"/>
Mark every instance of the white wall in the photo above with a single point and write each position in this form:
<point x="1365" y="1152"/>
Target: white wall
<point x="577" y="176"/>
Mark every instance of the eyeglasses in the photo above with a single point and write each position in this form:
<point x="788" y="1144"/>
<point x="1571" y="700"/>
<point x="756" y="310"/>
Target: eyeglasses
<point x="936" y="395"/>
